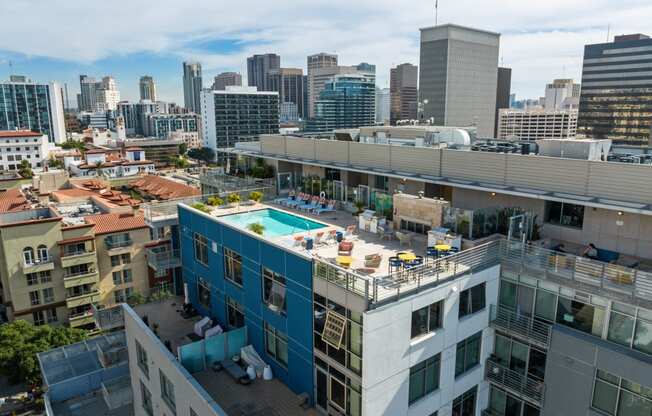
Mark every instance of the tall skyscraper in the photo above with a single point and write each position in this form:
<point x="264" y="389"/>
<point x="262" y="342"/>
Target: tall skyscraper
<point x="258" y="69"/>
<point x="347" y="101"/>
<point x="616" y="95"/>
<point x="88" y="96"/>
<point x="27" y="105"/>
<point x="458" y="76"/>
<point x="147" y="88"/>
<point x="404" y="94"/>
<point x="383" y="100"/>
<point x="319" y="76"/>
<point x="503" y="90"/>
<point x="107" y="95"/>
<point x="317" y="61"/>
<point x="237" y="114"/>
<point x="221" y="81"/>
<point x="289" y="83"/>
<point x="560" y="94"/>
<point x="192" y="86"/>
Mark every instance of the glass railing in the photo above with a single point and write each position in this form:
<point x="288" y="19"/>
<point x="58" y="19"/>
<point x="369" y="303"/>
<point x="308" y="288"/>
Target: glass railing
<point x="520" y="384"/>
<point x="165" y="259"/>
<point x="117" y="243"/>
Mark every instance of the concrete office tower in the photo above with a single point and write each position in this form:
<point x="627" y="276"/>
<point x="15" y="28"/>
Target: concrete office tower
<point x="221" y="81"/>
<point x="503" y="90"/>
<point x="259" y="68"/>
<point x="107" y="95"/>
<point x="27" y="105"/>
<point x="458" y="76"/>
<point x="192" y="86"/>
<point x="88" y="96"/>
<point x="382" y="105"/>
<point x="320" y="60"/>
<point x="560" y="94"/>
<point x="237" y="114"/>
<point x="289" y="83"/>
<point x="147" y="88"/>
<point x="536" y="124"/>
<point x="404" y="94"/>
<point x="616" y="97"/>
<point x="347" y="101"/>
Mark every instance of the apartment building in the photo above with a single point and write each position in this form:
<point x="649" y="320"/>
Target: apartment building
<point x="19" y="145"/>
<point x="536" y="124"/>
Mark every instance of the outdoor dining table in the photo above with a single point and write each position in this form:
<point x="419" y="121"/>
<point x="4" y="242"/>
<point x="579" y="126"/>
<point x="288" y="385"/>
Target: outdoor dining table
<point x="407" y="256"/>
<point x="442" y="247"/>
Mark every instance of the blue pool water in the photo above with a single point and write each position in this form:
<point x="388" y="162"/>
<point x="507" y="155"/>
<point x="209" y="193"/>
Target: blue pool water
<point x="276" y="223"/>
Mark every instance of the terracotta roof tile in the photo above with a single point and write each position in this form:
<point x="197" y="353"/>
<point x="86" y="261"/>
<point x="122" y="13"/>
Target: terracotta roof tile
<point x="13" y="200"/>
<point x="19" y="133"/>
<point x="113" y="223"/>
<point x="163" y="188"/>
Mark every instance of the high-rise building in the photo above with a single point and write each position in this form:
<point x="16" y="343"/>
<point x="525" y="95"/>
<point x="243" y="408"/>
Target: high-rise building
<point x="192" y="86"/>
<point x="404" y="94"/>
<point x="561" y="94"/>
<point x="289" y="83"/>
<point x="27" y="105"/>
<point x="147" y="88"/>
<point x="616" y="95"/>
<point x="317" y="61"/>
<point x="135" y="115"/>
<point x="458" y="76"/>
<point x="503" y="90"/>
<point x="237" y="114"/>
<point x="107" y="95"/>
<point x="536" y="124"/>
<point x="225" y="79"/>
<point x="259" y="68"/>
<point x="87" y="97"/>
<point x="161" y="125"/>
<point x="347" y="101"/>
<point x="319" y="76"/>
<point x="383" y="99"/>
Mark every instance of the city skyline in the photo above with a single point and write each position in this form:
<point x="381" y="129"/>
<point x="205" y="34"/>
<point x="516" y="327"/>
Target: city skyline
<point x="127" y="48"/>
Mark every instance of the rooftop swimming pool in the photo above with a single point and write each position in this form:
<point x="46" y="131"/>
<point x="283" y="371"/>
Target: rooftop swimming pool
<point x="276" y="223"/>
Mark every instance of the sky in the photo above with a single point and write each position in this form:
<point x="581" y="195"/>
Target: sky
<point x="56" y="40"/>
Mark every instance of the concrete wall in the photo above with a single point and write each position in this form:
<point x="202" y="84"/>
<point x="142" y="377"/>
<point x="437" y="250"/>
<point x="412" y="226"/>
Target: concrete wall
<point x="389" y="352"/>
<point x="572" y="361"/>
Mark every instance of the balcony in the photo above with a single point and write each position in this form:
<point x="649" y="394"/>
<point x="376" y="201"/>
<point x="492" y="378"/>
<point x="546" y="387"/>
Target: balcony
<point x="163" y="260"/>
<point x="86" y="298"/>
<point x="40" y="265"/>
<point x="76" y="258"/>
<point x="81" y="319"/>
<point x="80" y="278"/>
<point x="520" y="326"/>
<point x="115" y="243"/>
<point x="520" y="385"/>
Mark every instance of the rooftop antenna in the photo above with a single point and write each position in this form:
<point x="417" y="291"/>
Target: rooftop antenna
<point x="436" y="11"/>
<point x="608" y="31"/>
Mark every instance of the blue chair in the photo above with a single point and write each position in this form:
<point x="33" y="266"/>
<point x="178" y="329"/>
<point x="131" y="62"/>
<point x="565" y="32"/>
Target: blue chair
<point x="431" y="252"/>
<point x="395" y="264"/>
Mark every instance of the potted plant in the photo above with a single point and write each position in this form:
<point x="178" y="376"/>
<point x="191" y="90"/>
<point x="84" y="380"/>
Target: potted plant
<point x="233" y="199"/>
<point x="359" y="205"/>
<point x="215" y="201"/>
<point x="257" y="228"/>
<point x="200" y="206"/>
<point x="256" y="196"/>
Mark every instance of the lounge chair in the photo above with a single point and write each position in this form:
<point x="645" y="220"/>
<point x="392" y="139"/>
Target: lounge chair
<point x="298" y="201"/>
<point x="350" y="231"/>
<point x="310" y="201"/>
<point x="345" y="248"/>
<point x="329" y="208"/>
<point x="315" y="203"/>
<point x="404" y="238"/>
<point x="372" y="260"/>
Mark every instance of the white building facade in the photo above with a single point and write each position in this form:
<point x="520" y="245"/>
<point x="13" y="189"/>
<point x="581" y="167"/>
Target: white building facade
<point x="16" y="146"/>
<point x="536" y="124"/>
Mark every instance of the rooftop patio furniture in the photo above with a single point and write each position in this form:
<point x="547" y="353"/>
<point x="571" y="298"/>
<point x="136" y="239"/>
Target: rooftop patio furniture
<point x="329" y="208"/>
<point x="235" y="371"/>
<point x="350" y="230"/>
<point x="298" y="201"/>
<point x="319" y="238"/>
<point x="312" y="204"/>
<point x="406" y="256"/>
<point x="298" y="239"/>
<point x="345" y="248"/>
<point x="404" y="238"/>
<point x="395" y="264"/>
<point x="372" y="260"/>
<point x="344" y="260"/>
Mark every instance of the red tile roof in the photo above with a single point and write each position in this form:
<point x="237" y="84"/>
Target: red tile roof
<point x="162" y="188"/>
<point x="19" y="133"/>
<point x="113" y="223"/>
<point x="95" y="151"/>
<point x="13" y="200"/>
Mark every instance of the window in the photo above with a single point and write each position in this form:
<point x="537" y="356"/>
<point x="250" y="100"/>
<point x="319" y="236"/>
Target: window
<point x="468" y="354"/>
<point x="126" y="258"/>
<point x="74" y="249"/>
<point x="274" y="290"/>
<point x="42" y="252"/>
<point x="427" y="319"/>
<point x="48" y="295"/>
<point x="129" y="292"/>
<point x="581" y="316"/>
<point x="472" y="300"/>
<point x="204" y="292"/>
<point x="51" y="315"/>
<point x="233" y="266"/>
<point x="201" y="248"/>
<point x="424" y="378"/>
<point x="126" y="276"/>
<point x="620" y="397"/>
<point x="32" y="279"/>
<point x="119" y="296"/>
<point x="141" y="356"/>
<point x="464" y="404"/>
<point x="167" y="392"/>
<point x="115" y="261"/>
<point x="28" y="255"/>
<point x="38" y="318"/>
<point x="34" y="298"/>
<point x="146" y="398"/>
<point x="117" y="278"/>
<point x="568" y="215"/>
<point x="276" y="344"/>
<point x="234" y="314"/>
<point x="46" y="276"/>
<point x="415" y="227"/>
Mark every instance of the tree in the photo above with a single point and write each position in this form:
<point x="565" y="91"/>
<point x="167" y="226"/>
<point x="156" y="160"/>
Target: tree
<point x="55" y="163"/>
<point x="205" y="154"/>
<point x="179" y="162"/>
<point x="183" y="148"/>
<point x="20" y="341"/>
<point x="73" y="144"/>
<point x="25" y="169"/>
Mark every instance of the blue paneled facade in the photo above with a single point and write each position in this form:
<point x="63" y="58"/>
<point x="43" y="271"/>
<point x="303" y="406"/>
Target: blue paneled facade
<point x="256" y="254"/>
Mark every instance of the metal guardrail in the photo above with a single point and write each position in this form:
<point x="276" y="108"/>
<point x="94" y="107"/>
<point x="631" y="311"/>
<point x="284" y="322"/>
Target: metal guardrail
<point x="521" y="385"/>
<point x="67" y="254"/>
<point x="111" y="244"/>
<point x="167" y="259"/>
<point x="520" y="325"/>
<point x="342" y="277"/>
<point x="77" y="274"/>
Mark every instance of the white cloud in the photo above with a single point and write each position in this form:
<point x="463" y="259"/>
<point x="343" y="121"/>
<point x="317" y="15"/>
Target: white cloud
<point x="541" y="40"/>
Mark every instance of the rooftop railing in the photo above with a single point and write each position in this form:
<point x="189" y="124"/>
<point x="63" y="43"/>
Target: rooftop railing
<point x="522" y="385"/>
<point x="161" y="260"/>
<point x="112" y="243"/>
<point x="520" y="325"/>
